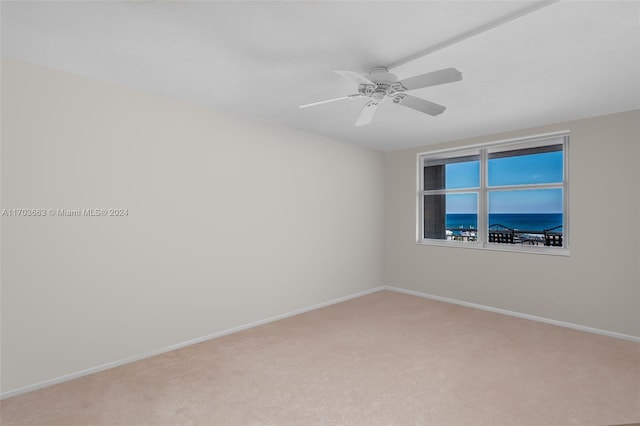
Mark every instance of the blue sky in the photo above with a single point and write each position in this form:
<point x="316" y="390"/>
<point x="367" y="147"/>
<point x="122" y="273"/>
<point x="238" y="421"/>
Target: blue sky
<point x="525" y="169"/>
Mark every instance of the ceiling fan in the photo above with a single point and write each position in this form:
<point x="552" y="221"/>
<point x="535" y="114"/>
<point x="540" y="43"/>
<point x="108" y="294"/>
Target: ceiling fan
<point x="380" y="83"/>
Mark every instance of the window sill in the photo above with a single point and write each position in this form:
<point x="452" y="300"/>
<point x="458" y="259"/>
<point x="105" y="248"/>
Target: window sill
<point x="511" y="248"/>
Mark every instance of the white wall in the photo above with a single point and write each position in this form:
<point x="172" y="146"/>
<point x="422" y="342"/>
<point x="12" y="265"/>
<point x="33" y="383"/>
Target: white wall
<point x="597" y="286"/>
<point x="229" y="222"/>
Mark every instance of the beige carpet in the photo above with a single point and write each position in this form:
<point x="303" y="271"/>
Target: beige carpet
<point x="386" y="358"/>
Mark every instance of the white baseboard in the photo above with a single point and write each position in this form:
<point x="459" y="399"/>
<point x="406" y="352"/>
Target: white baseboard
<point x="514" y="314"/>
<point x="159" y="351"/>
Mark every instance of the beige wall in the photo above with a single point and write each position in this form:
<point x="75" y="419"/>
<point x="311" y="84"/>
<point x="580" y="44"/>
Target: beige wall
<point x="598" y="285"/>
<point x="229" y="222"/>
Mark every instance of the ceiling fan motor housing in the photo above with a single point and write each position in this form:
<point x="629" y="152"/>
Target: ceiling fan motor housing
<point x="385" y="83"/>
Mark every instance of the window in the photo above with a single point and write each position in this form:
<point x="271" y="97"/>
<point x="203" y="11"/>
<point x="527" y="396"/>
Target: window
<point x="509" y="195"/>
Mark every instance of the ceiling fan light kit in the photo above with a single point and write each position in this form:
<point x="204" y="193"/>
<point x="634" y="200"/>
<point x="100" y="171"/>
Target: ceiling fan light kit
<point x="379" y="84"/>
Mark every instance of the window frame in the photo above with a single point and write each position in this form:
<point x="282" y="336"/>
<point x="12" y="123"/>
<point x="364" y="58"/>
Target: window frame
<point x="484" y="190"/>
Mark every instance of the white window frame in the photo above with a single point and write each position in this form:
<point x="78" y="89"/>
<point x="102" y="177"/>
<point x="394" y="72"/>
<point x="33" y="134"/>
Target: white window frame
<point x="483" y="196"/>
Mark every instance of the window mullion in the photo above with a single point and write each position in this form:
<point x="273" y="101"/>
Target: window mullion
<point x="483" y="210"/>
<point x="519" y="187"/>
<point x="450" y="191"/>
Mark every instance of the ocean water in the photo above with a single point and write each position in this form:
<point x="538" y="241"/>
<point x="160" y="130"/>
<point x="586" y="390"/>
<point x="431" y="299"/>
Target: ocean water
<point x="518" y="221"/>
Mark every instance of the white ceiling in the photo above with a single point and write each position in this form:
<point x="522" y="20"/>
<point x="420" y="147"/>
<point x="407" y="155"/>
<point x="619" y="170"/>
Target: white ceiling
<point x="262" y="59"/>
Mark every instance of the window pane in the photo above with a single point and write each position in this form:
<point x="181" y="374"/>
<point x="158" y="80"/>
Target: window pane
<point x="529" y="210"/>
<point x="451" y="216"/>
<point x="462" y="175"/>
<point x="446" y="172"/>
<point x="526" y="166"/>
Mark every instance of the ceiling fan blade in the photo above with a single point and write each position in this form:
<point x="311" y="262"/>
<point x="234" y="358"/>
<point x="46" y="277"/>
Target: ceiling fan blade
<point x="367" y="112"/>
<point x="447" y="75"/>
<point x="354" y="76"/>
<point x="419" y="104"/>
<point x="357" y="95"/>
